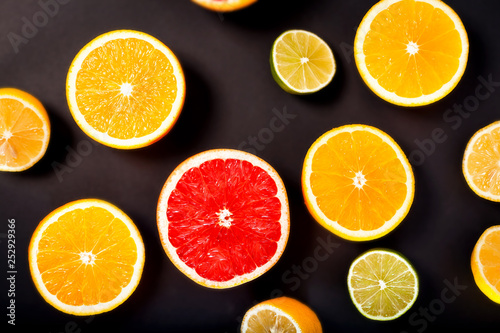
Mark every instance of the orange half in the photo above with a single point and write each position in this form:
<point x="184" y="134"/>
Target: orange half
<point x="86" y="257"/>
<point x="357" y="182"/>
<point x="224" y="5"/>
<point x="485" y="263"/>
<point x="481" y="163"/>
<point x="282" y="314"/>
<point x="411" y="52"/>
<point x="125" y="89"/>
<point x="24" y="130"/>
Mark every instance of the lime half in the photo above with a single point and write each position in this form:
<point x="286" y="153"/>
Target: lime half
<point x="383" y="284"/>
<point x="301" y="62"/>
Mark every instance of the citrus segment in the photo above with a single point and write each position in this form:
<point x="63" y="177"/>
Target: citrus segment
<point x="485" y="263"/>
<point x="357" y="182"/>
<point x="24" y="130"/>
<point x="125" y="89"/>
<point x="481" y="163"/>
<point x="411" y="52"/>
<point x="223" y="217"/>
<point x="86" y="257"/>
<point x="281" y="314"/>
<point x="301" y="62"/>
<point x="224" y="5"/>
<point x="383" y="285"/>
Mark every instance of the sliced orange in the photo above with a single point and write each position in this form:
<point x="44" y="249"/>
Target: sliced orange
<point x="281" y="314"/>
<point x="485" y="263"/>
<point x="125" y="89"/>
<point x="86" y="257"/>
<point x="357" y="182"/>
<point x="24" y="130"/>
<point x="224" y="5"/>
<point x="411" y="52"/>
<point x="223" y="217"/>
<point x="481" y="163"/>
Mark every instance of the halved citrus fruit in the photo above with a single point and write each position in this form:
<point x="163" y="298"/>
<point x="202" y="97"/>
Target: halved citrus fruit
<point x="125" y="89"/>
<point x="24" y="130"/>
<point x="481" y="163"/>
<point x="409" y="52"/>
<point x="383" y="284"/>
<point x="281" y="314"/>
<point x="485" y="263"/>
<point x="86" y="257"/>
<point x="223" y="217"/>
<point x="357" y="182"/>
<point x="224" y="5"/>
<point x="301" y="62"/>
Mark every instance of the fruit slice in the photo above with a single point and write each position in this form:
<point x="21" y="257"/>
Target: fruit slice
<point x="281" y="314"/>
<point x="357" y="182"/>
<point x="411" y="52"/>
<point x="24" y="130"/>
<point x="301" y="62"/>
<point x="485" y="263"/>
<point x="481" y="163"/>
<point x="86" y="257"/>
<point x="383" y="285"/>
<point x="223" y="217"/>
<point x="125" y="89"/>
<point x="224" y="5"/>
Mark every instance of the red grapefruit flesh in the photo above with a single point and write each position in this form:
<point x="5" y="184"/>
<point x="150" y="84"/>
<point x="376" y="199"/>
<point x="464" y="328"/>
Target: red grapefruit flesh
<point x="223" y="217"/>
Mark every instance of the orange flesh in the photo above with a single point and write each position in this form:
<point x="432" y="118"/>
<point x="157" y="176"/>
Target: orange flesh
<point x="335" y="168"/>
<point x="484" y="162"/>
<point x="26" y="129"/>
<point x="386" y="48"/>
<point x="489" y="257"/>
<point x="108" y="71"/>
<point x="69" y="271"/>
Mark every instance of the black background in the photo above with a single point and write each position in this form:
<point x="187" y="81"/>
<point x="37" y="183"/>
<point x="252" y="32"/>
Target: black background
<point x="231" y="95"/>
